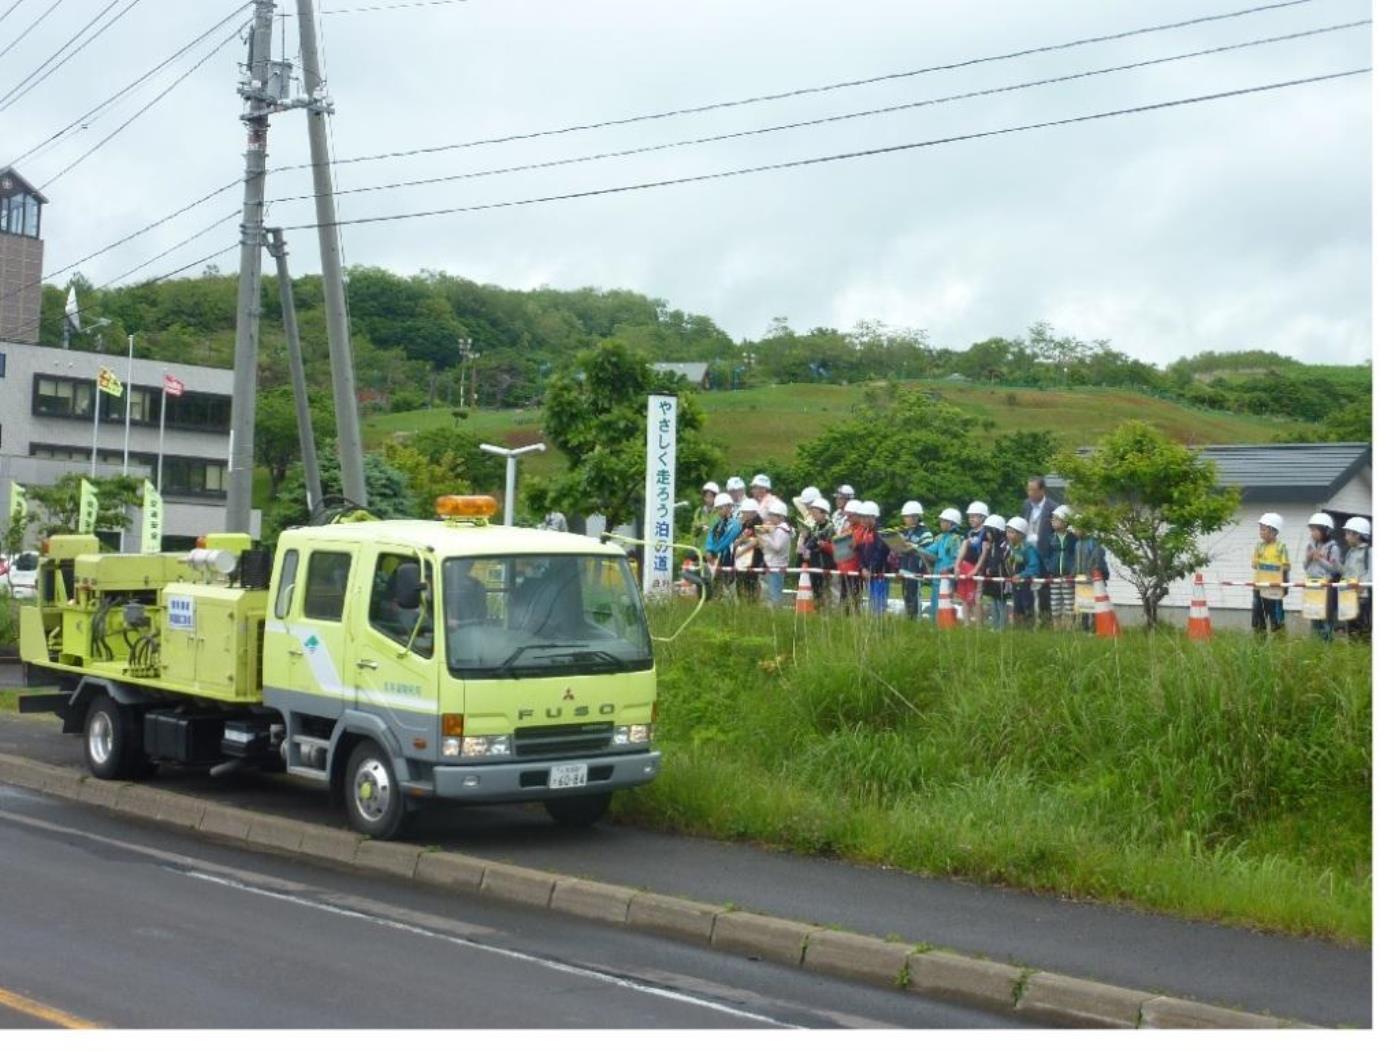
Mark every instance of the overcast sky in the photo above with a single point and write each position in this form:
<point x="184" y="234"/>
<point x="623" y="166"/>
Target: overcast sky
<point x="1238" y="223"/>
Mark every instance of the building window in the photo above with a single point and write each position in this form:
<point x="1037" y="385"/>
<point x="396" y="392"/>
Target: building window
<point x="72" y="399"/>
<point x="55" y="396"/>
<point x="2" y="364"/>
<point x="184" y="475"/>
<point x="19" y="215"/>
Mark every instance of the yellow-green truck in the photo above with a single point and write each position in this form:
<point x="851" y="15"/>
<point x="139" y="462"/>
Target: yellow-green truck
<point x="395" y="662"/>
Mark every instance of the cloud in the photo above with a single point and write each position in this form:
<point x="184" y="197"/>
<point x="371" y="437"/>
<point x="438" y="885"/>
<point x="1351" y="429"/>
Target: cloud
<point x="1237" y="223"/>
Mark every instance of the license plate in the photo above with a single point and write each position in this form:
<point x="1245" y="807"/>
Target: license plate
<point x="572" y="775"/>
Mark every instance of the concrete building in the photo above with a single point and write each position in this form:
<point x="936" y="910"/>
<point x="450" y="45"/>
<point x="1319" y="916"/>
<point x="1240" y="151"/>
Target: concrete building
<point x="46" y="410"/>
<point x="1293" y="480"/>
<point x="21" y="258"/>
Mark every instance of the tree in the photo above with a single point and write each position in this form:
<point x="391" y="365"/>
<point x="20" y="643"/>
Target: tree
<point x="595" y="415"/>
<point x="917" y="446"/>
<point x="58" y="504"/>
<point x="389" y="494"/>
<point x="1148" y="500"/>
<point x="277" y="439"/>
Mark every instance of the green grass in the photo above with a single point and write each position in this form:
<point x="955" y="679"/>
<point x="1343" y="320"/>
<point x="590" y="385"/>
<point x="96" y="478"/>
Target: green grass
<point x="1228" y="782"/>
<point x="9" y="700"/>
<point x="764" y="424"/>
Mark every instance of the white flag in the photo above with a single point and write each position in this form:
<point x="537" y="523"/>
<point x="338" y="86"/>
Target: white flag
<point x="70" y="310"/>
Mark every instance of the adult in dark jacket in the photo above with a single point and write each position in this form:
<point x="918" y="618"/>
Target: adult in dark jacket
<point x="1037" y="509"/>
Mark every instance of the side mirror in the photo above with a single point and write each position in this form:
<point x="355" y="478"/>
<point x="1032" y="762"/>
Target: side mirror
<point x="407" y="585"/>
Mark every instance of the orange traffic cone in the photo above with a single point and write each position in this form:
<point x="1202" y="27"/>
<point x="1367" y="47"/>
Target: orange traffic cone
<point x="1105" y="620"/>
<point x="685" y="586"/>
<point x="803" y="598"/>
<point x="947" y="616"/>
<point x="1198" y="626"/>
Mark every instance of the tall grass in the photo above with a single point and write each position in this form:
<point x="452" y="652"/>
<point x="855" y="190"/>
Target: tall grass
<point x="1228" y="781"/>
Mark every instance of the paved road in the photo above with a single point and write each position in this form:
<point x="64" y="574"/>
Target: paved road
<point x="122" y="924"/>
<point x="1308" y="979"/>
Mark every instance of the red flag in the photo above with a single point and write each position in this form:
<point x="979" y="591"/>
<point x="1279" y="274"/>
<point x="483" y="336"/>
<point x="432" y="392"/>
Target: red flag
<point x="173" y="387"/>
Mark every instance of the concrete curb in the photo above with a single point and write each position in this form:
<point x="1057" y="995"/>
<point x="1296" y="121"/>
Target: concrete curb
<point x="1006" y="988"/>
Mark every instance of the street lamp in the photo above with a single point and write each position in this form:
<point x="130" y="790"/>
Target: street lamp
<point x="512" y="475"/>
<point x="465" y="356"/>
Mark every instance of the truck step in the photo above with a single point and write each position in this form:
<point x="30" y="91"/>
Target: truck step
<point x="308" y="772"/>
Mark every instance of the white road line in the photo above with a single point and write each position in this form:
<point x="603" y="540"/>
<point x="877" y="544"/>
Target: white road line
<point x="513" y="954"/>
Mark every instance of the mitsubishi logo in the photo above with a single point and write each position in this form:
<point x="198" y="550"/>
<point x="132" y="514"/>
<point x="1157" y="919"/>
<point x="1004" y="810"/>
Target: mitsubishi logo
<point x="568" y="695"/>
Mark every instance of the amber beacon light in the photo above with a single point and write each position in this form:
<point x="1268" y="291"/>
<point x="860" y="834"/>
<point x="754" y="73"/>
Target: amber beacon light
<point x="466" y="506"/>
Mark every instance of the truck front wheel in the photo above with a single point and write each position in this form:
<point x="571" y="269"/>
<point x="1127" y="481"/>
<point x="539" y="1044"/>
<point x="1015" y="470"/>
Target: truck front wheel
<point x="578" y="811"/>
<point x="371" y="793"/>
<point x="114" y="748"/>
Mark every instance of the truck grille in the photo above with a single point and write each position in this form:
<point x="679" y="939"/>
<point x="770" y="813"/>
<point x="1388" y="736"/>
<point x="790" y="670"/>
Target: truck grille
<point x="575" y="739"/>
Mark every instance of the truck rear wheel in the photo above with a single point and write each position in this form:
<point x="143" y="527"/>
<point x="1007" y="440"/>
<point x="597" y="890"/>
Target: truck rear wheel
<point x="113" y="744"/>
<point x="578" y="811"/>
<point x="371" y="793"/>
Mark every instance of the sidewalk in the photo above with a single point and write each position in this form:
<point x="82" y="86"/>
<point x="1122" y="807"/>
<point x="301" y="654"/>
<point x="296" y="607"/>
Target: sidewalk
<point x="1296" y="978"/>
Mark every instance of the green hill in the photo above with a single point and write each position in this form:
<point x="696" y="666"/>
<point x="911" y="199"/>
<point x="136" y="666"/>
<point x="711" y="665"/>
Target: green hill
<point x="764" y="424"/>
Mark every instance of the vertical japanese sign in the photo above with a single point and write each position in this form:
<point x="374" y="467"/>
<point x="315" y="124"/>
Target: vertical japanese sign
<point x="152" y="521"/>
<point x="86" y="507"/>
<point x="660" y="488"/>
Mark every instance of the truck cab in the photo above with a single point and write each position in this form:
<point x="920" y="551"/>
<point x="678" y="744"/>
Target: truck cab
<point x="395" y="662"/>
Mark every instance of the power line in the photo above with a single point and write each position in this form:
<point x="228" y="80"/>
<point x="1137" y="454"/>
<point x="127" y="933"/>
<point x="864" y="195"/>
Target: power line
<point x="686" y="142"/>
<point x="393" y="7"/>
<point x="817" y="121"/>
<point x="144" y="109"/>
<point x="109" y="100"/>
<point x="817" y="89"/>
<point x="31" y="27"/>
<point x="10" y="10"/>
<point x="829" y="158"/>
<point x="15" y="93"/>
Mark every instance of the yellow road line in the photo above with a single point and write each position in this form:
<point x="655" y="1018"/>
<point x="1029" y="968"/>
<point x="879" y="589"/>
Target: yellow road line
<point x="43" y="1012"/>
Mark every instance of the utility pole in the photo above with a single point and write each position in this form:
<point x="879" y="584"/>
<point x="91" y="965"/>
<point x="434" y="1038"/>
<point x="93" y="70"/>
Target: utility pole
<point x="257" y="116"/>
<point x="335" y="307"/>
<point x="275" y="242"/>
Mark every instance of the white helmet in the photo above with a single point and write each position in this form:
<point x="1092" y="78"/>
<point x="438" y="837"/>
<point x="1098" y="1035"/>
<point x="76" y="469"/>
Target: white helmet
<point x="852" y="507"/>
<point x="1019" y="524"/>
<point x="846" y="490"/>
<point x="711" y="487"/>
<point x="734" y="483"/>
<point x="762" y="480"/>
<point x="871" y="508"/>
<point x="749" y="504"/>
<point x="912" y="507"/>
<point x="1358" y="525"/>
<point x="977" y="507"/>
<point x="1321" y="518"/>
<point x="820" y="504"/>
<point x="810" y="494"/>
<point x="723" y="500"/>
<point x="777" y="507"/>
<point x="995" y="522"/>
<point x="951" y="514"/>
<point x="1063" y="512"/>
<point x="1273" y="521"/>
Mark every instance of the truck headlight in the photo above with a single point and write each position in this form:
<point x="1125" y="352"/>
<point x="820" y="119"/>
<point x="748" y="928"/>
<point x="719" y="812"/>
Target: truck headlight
<point x="450" y="747"/>
<point x="486" y="747"/>
<point x="639" y="733"/>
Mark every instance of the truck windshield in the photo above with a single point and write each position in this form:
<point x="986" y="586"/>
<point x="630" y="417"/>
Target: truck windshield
<point x="535" y="615"/>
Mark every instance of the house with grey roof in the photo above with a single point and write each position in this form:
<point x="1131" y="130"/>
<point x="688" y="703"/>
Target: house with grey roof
<point x="695" y="372"/>
<point x="1293" y="480"/>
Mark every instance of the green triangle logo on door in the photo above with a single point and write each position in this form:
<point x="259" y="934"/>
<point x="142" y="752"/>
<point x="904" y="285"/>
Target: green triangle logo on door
<point x="312" y="643"/>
